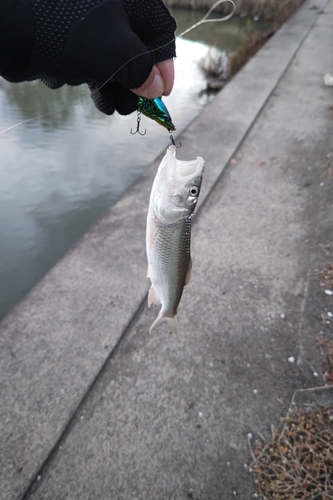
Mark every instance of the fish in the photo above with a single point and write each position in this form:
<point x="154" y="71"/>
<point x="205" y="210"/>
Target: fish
<point x="173" y="198"/>
<point x="156" y="110"/>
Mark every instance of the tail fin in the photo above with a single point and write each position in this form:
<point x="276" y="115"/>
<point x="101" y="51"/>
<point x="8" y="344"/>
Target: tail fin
<point x="171" y="323"/>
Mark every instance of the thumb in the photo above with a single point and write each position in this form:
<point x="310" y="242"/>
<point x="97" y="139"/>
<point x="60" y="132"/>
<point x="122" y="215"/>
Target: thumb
<point x="152" y="87"/>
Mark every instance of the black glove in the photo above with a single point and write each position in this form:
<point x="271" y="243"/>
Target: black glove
<point x="112" y="45"/>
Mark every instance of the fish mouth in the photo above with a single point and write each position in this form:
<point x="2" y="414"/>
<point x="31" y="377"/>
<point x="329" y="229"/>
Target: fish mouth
<point x="190" y="169"/>
<point x="183" y="169"/>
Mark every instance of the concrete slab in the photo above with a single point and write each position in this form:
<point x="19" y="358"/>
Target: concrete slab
<point x="98" y="408"/>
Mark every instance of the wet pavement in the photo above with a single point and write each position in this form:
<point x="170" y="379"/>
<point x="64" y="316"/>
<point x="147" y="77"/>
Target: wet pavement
<point x="92" y="406"/>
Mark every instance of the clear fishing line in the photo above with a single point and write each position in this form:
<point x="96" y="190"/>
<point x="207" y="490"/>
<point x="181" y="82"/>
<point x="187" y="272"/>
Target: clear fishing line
<point x="199" y="23"/>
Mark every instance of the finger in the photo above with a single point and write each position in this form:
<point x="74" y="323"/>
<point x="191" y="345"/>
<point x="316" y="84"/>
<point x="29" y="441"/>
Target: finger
<point x="152" y="87"/>
<point x="167" y="71"/>
<point x="111" y="97"/>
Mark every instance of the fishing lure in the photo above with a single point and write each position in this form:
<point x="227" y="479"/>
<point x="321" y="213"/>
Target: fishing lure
<point x="156" y="110"/>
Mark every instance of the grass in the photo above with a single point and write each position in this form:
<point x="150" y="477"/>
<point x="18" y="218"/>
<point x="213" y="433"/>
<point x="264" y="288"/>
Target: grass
<point x="215" y="64"/>
<point x="326" y="347"/>
<point x="297" y="463"/>
<point x="325" y="276"/>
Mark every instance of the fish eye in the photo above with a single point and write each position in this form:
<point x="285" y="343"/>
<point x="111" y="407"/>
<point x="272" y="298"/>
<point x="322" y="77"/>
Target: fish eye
<point x="194" y="191"/>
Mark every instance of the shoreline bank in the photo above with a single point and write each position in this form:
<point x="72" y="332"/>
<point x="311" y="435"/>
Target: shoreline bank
<point x="269" y="10"/>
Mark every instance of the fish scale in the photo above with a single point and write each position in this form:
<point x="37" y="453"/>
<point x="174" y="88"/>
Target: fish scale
<point x="172" y="245"/>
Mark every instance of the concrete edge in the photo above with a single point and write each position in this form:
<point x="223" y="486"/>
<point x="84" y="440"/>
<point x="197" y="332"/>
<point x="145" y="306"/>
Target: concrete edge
<point x="313" y="397"/>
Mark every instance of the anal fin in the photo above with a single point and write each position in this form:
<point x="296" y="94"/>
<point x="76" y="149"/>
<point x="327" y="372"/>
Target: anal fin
<point x="153" y="298"/>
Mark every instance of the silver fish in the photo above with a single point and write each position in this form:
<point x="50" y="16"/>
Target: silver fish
<point x="173" y="198"/>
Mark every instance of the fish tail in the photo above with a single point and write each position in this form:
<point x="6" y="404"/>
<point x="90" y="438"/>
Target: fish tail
<point x="171" y="323"/>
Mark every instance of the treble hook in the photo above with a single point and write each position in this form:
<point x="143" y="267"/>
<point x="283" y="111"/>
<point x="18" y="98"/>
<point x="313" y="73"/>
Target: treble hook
<point x="138" y="120"/>
<point x="173" y="142"/>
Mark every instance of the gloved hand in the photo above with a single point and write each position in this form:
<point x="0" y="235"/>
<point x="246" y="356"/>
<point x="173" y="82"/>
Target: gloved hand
<point x="112" y="45"/>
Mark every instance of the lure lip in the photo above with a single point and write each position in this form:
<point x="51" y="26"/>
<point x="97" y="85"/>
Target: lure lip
<point x="166" y="124"/>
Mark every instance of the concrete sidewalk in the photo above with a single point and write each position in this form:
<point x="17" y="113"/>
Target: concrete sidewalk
<point x="92" y="406"/>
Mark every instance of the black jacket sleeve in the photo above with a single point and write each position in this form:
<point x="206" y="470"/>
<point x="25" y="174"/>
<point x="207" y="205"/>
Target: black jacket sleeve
<point x="110" y="44"/>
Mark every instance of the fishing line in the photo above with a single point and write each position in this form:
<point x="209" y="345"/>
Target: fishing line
<point x="199" y="23"/>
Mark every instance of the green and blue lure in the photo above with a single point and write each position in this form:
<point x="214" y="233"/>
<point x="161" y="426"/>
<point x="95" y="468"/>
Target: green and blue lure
<point x="156" y="110"/>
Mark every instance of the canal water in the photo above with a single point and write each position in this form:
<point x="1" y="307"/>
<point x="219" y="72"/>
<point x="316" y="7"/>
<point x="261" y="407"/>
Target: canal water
<point x="60" y="171"/>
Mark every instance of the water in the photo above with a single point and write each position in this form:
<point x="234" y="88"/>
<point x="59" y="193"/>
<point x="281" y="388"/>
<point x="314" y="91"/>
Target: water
<point x="60" y="172"/>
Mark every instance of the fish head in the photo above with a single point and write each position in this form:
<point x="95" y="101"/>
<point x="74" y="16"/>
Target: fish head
<point x="177" y="187"/>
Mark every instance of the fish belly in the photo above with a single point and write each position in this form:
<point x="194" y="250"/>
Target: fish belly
<point x="169" y="263"/>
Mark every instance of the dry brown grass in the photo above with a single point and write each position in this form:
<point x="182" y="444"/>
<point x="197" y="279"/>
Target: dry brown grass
<point x="329" y="170"/>
<point x="326" y="347"/>
<point x="297" y="463"/>
<point x="325" y="276"/>
<point x="215" y="64"/>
